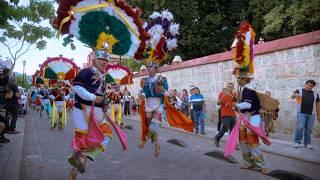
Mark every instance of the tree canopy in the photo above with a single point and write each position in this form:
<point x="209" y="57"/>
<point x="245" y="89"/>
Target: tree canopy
<point x="208" y="26"/>
<point x="24" y="27"/>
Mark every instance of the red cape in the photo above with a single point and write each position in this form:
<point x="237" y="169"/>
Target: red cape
<point x="175" y="119"/>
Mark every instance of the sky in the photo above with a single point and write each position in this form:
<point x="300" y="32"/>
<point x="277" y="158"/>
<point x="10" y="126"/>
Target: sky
<point x="54" y="48"/>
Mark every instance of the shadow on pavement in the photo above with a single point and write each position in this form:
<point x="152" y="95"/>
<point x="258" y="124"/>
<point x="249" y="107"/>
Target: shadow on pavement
<point x="220" y="155"/>
<point x="288" y="175"/>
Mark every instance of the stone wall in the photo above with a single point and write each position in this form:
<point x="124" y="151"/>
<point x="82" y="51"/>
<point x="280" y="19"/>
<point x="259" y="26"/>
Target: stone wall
<point x="281" y="67"/>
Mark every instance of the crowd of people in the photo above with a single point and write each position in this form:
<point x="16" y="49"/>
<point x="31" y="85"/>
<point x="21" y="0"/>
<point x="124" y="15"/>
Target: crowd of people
<point x="53" y="99"/>
<point x="192" y="104"/>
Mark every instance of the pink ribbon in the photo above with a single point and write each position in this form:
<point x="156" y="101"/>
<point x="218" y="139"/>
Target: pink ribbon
<point x="233" y="137"/>
<point x="121" y="135"/>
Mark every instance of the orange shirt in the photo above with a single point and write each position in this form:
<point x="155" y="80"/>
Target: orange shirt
<point x="227" y="104"/>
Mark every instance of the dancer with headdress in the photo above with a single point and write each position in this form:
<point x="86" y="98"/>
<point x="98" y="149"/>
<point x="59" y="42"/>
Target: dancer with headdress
<point x="248" y="127"/>
<point x="59" y="109"/>
<point x="163" y="32"/>
<point x="115" y="97"/>
<point x="108" y="27"/>
<point x="116" y="76"/>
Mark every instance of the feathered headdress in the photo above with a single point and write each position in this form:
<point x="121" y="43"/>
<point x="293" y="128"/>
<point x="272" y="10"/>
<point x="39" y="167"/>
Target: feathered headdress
<point x="243" y="53"/>
<point x="59" y="68"/>
<point x="109" y="25"/>
<point x="118" y="74"/>
<point x="163" y="32"/>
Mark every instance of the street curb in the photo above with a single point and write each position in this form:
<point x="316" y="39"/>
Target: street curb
<point x="14" y="165"/>
<point x="314" y="161"/>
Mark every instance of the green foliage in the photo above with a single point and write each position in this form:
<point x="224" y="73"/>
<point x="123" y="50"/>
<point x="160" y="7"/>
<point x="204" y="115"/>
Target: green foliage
<point x="291" y="18"/>
<point x="5" y="11"/>
<point x="22" y="82"/>
<point x="133" y="65"/>
<point x="24" y="27"/>
<point x="208" y="26"/>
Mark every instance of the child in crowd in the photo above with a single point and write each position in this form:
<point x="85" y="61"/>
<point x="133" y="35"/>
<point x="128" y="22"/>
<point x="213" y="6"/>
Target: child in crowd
<point x="199" y="108"/>
<point x="134" y="106"/>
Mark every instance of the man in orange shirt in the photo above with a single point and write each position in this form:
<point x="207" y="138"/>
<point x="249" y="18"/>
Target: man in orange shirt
<point x="227" y="99"/>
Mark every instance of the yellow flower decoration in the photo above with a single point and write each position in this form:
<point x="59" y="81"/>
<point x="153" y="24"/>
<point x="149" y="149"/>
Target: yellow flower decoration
<point x="103" y="38"/>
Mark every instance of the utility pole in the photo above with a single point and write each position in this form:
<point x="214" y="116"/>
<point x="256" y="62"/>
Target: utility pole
<point x="23" y="75"/>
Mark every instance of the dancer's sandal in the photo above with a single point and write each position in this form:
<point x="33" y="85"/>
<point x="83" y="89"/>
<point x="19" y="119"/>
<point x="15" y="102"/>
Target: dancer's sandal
<point x="264" y="171"/>
<point x="156" y="150"/>
<point x="244" y="166"/>
<point x="73" y="174"/>
<point x="60" y="125"/>
<point x="141" y="145"/>
<point x="78" y="161"/>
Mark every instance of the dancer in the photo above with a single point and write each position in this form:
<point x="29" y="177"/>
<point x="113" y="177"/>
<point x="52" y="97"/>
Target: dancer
<point x="45" y="101"/>
<point x="59" y="114"/>
<point x="108" y="27"/>
<point x="155" y="86"/>
<point x="248" y="126"/>
<point x="115" y="97"/>
<point x="87" y="88"/>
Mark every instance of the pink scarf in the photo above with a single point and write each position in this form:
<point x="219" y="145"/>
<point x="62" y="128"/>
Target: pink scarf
<point x="232" y="141"/>
<point x="93" y="139"/>
<point x="121" y="135"/>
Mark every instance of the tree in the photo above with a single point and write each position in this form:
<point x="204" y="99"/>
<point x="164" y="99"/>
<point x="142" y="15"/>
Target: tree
<point x="24" y="28"/>
<point x="21" y="81"/>
<point x="289" y="18"/>
<point x="208" y="26"/>
<point x="5" y="11"/>
<point x="133" y="65"/>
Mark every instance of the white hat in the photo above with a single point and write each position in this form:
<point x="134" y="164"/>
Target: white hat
<point x="193" y="87"/>
<point x="177" y="59"/>
<point x="143" y="67"/>
<point x="100" y="54"/>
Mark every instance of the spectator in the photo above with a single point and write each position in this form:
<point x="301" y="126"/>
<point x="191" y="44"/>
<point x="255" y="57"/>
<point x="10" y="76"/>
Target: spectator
<point x="178" y="100"/>
<point x="12" y="105"/>
<point x="185" y="102"/>
<point x="219" y="114"/>
<point x="139" y="101"/>
<point x="134" y="106"/>
<point x="172" y="98"/>
<point x="199" y="109"/>
<point x="227" y="99"/>
<point x="190" y="105"/>
<point x="307" y="105"/>
<point x="4" y="83"/>
<point x="268" y="117"/>
<point x="126" y="103"/>
<point x="3" y="122"/>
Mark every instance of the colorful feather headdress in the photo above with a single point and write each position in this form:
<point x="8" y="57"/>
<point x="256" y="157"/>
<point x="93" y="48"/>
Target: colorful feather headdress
<point x="118" y="74"/>
<point x="59" y="68"/>
<point x="243" y="53"/>
<point x="35" y="76"/>
<point x="163" y="33"/>
<point x="109" y="25"/>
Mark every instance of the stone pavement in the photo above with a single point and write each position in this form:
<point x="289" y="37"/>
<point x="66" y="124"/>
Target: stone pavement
<point x="282" y="144"/>
<point x="11" y="154"/>
<point x="44" y="155"/>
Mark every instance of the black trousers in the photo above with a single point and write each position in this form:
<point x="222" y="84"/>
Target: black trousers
<point x="191" y="114"/>
<point x="126" y="108"/>
<point x="219" y="119"/>
<point x="228" y="123"/>
<point x="5" y="121"/>
<point x="13" y="109"/>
